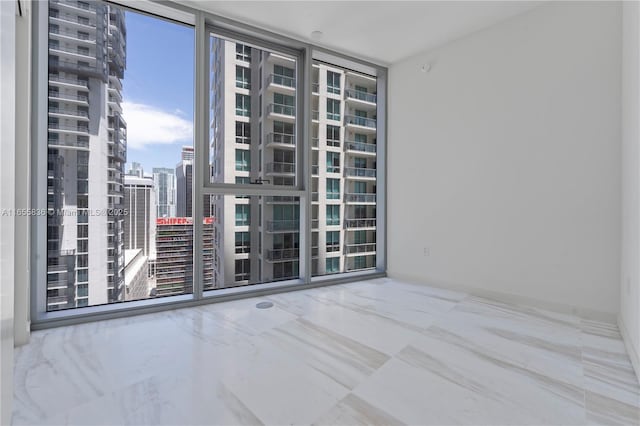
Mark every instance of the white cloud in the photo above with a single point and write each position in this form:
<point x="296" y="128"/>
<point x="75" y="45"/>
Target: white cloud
<point x="147" y="125"/>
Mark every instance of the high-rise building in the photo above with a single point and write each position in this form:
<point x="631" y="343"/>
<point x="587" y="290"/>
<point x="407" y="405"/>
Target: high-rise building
<point x="135" y="169"/>
<point x="184" y="179"/>
<point x="164" y="180"/>
<point x="254" y="138"/>
<point x="140" y="217"/>
<point x="174" y="262"/>
<point x="136" y="275"/>
<point x="86" y="138"/>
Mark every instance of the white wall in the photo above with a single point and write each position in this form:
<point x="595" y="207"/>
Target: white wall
<point x="630" y="285"/>
<point x="7" y="202"/>
<point x="504" y="160"/>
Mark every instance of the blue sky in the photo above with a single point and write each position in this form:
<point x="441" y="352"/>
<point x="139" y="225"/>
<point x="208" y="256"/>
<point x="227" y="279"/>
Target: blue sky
<point x="157" y="90"/>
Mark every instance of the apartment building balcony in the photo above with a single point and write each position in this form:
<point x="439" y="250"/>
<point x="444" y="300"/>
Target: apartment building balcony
<point x="114" y="103"/>
<point x="359" y="173"/>
<point x="73" y="67"/>
<point x="315" y="142"/>
<point x="280" y="199"/>
<point x="76" y="6"/>
<point x="68" y="113"/>
<point x="360" y="123"/>
<point x="281" y="82"/>
<point x="314" y="170"/>
<point x="365" y="223"/>
<point x="118" y="152"/>
<point x="68" y="82"/>
<point x="281" y="140"/>
<point x="68" y="129"/>
<point x="361" y="148"/>
<point x="315" y="89"/>
<point x="57" y="300"/>
<point x="315" y="196"/>
<point x="57" y="285"/>
<point x="283" y="225"/>
<point x="66" y="144"/>
<point x="359" y="249"/>
<point x="315" y="115"/>
<point x="73" y="19"/>
<point x="281" y="112"/>
<point x="315" y="223"/>
<point x="360" y="198"/>
<point x="277" y="168"/>
<point x="281" y="255"/>
<point x="65" y="35"/>
<point x="114" y="82"/>
<point x="56" y="269"/>
<point x="71" y="53"/>
<point x="76" y="99"/>
<point x="359" y="97"/>
<point x="352" y="265"/>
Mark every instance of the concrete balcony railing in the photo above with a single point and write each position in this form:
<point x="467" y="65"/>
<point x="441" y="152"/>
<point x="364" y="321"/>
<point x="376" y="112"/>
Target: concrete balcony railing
<point x="361" y="147"/>
<point x="283" y="254"/>
<point x="66" y="97"/>
<point x="69" y="66"/>
<point x="283" y="225"/>
<point x="360" y="198"/>
<point x="281" y="80"/>
<point x="360" y="223"/>
<point x="71" y="18"/>
<point x="281" y="168"/>
<point x="69" y="112"/>
<point x="359" y="172"/>
<point x="76" y="51"/>
<point x="287" y="110"/>
<point x="360" y="121"/>
<point x="361" y="96"/>
<point x="359" y="248"/>
<point x="66" y="128"/>
<point x="73" y="35"/>
<point x="281" y="138"/>
<point x="75" y="5"/>
<point x="70" y="81"/>
<point x="70" y="144"/>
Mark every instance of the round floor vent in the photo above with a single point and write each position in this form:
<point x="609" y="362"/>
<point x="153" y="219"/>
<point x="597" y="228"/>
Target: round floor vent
<point x="264" y="305"/>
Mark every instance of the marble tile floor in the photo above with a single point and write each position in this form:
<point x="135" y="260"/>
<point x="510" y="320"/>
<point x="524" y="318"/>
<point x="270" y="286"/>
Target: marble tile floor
<point x="373" y="352"/>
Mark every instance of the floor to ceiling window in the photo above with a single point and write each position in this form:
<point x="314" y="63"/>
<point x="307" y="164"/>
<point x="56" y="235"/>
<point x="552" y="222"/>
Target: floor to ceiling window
<point x="289" y="191"/>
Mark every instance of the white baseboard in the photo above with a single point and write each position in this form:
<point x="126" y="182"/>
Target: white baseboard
<point x="582" y="312"/>
<point x="631" y="350"/>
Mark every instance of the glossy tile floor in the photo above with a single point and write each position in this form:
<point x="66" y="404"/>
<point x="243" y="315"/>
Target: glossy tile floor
<point x="374" y="352"/>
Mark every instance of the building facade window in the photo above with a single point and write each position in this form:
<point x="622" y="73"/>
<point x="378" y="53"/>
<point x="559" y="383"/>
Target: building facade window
<point x="243" y="77"/>
<point x="243" y="160"/>
<point x="243" y="215"/>
<point x="85" y="138"/>
<point x="333" y="214"/>
<point x="333" y="109"/>
<point x="333" y="82"/>
<point x="333" y="189"/>
<point x="243" y="105"/>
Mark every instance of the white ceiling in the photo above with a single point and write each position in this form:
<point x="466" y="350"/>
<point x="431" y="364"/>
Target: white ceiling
<point x="381" y="31"/>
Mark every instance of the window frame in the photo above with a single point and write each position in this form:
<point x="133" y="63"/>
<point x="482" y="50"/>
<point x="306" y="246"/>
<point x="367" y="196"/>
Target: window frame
<point x="205" y="24"/>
